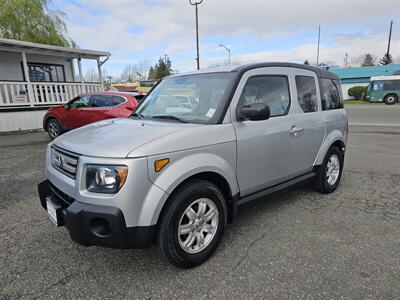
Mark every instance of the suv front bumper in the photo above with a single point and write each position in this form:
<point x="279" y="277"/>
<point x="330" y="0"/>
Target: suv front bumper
<point x="90" y="224"/>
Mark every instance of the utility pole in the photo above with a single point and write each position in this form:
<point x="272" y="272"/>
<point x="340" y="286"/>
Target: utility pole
<point x="390" y="37"/>
<point x="319" y="37"/>
<point x="196" y="3"/>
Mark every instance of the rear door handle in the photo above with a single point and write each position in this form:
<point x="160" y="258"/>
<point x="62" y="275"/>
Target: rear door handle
<point x="295" y="131"/>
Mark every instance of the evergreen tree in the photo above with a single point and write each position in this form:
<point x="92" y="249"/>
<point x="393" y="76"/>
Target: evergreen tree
<point x="160" y="69"/>
<point x="306" y="62"/>
<point x="386" y="59"/>
<point x="368" y="60"/>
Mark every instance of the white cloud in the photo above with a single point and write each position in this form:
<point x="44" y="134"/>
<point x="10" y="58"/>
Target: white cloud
<point x="130" y="27"/>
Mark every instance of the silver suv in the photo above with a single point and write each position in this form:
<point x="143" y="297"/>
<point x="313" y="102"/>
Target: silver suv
<point x="199" y="146"/>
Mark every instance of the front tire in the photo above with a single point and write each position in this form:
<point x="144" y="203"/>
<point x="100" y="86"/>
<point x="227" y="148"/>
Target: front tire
<point x="330" y="172"/>
<point x="192" y="224"/>
<point x="390" y="99"/>
<point x="53" y="128"/>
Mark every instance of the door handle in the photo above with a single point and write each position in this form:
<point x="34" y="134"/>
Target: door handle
<point x="295" y="131"/>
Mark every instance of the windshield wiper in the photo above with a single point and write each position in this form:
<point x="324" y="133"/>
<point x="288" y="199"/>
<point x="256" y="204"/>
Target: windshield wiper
<point x="169" y="117"/>
<point x="138" y="115"/>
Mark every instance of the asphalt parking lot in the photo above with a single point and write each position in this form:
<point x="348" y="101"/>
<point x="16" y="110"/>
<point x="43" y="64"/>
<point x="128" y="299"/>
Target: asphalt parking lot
<point x="299" y="245"/>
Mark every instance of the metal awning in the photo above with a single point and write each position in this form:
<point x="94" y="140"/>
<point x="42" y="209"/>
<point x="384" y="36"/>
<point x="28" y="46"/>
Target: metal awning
<point x="35" y="48"/>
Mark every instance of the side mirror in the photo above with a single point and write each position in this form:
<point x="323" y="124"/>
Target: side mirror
<point x="66" y="106"/>
<point x="254" y="112"/>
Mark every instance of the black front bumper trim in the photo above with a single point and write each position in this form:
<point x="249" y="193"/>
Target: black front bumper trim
<point x="78" y="216"/>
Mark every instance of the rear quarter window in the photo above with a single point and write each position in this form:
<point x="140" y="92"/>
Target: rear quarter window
<point x="116" y="100"/>
<point x="331" y="98"/>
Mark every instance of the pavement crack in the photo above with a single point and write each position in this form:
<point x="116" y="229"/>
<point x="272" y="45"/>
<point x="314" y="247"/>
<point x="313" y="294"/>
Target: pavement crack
<point x="243" y="257"/>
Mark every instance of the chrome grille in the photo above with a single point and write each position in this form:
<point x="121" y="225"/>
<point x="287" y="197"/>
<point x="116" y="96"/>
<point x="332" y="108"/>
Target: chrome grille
<point x="64" y="161"/>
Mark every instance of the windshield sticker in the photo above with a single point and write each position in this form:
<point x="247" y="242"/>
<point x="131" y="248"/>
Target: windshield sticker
<point x="210" y="112"/>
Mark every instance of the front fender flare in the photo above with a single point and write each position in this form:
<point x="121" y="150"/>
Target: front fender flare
<point x="179" y="171"/>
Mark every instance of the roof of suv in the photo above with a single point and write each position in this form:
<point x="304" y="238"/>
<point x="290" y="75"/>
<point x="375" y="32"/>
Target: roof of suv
<point x="243" y="68"/>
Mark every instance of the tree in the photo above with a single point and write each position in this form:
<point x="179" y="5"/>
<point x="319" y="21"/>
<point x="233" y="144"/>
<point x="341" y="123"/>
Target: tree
<point x="33" y="21"/>
<point x="151" y="73"/>
<point x="138" y="71"/>
<point x="306" y="62"/>
<point x="91" y="75"/>
<point x="386" y="59"/>
<point x="161" y="69"/>
<point x="368" y="60"/>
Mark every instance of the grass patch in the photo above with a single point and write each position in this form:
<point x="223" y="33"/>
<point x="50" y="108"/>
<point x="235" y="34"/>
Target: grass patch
<point x="353" y="101"/>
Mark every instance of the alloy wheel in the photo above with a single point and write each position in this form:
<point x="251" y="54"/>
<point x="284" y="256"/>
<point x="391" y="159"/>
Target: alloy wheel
<point x="198" y="225"/>
<point x="333" y="169"/>
<point x="53" y="129"/>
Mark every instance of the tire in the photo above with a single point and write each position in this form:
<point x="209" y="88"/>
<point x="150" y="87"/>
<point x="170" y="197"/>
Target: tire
<point x="325" y="183"/>
<point x="390" y="99"/>
<point x="176" y="217"/>
<point x="53" y="128"/>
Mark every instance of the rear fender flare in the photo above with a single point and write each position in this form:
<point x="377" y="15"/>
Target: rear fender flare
<point x="334" y="136"/>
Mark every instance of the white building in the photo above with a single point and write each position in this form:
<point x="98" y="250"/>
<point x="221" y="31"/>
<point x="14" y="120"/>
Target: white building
<point x="34" y="77"/>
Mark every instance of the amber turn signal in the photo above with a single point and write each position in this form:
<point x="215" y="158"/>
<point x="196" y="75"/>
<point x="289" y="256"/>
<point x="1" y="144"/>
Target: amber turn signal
<point x="160" y="164"/>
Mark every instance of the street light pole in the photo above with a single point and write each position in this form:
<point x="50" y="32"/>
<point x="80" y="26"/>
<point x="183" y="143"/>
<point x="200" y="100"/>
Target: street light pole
<point x="227" y="49"/>
<point x="195" y="3"/>
<point x="319" y="37"/>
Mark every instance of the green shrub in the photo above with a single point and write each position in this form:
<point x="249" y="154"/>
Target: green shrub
<point x="357" y="91"/>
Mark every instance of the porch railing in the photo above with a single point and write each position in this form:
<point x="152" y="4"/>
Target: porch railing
<point x="42" y="93"/>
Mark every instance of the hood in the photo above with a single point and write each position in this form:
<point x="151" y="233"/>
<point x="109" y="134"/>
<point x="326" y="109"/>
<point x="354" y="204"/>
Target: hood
<point x="116" y="137"/>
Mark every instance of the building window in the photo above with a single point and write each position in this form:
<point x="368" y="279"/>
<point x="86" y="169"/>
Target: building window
<point x="46" y="72"/>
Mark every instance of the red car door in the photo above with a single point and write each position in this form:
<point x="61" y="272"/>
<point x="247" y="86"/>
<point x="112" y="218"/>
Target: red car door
<point x="123" y="106"/>
<point x="101" y="105"/>
<point x="74" y="115"/>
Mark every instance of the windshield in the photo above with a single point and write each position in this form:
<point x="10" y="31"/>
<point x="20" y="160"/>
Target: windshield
<point x="189" y="98"/>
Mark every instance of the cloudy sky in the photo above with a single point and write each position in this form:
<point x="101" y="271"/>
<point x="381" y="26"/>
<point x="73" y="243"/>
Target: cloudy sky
<point x="254" y="30"/>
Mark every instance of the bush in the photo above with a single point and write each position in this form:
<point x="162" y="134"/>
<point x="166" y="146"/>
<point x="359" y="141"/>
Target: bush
<point x="357" y="91"/>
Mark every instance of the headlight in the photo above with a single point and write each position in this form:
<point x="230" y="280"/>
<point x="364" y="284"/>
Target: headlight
<point x="105" y="179"/>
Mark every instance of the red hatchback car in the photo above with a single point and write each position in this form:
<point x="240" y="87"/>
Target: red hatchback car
<point x="88" y="108"/>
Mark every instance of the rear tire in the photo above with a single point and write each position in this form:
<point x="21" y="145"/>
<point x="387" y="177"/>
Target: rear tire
<point x="53" y="128"/>
<point x="192" y="224"/>
<point x="330" y="172"/>
<point x="390" y="99"/>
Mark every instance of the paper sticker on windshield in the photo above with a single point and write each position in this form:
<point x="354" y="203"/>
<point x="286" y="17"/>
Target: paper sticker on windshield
<point x="210" y="112"/>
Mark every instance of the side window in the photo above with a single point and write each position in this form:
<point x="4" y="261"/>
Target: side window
<point x="271" y="90"/>
<point x="116" y="100"/>
<point x="331" y="98"/>
<point x="101" y="100"/>
<point x="307" y="93"/>
<point x="377" y="86"/>
<point x="80" y="102"/>
<point x="392" y="85"/>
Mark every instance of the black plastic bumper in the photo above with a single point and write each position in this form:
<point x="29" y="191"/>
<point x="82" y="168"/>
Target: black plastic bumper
<point x="98" y="225"/>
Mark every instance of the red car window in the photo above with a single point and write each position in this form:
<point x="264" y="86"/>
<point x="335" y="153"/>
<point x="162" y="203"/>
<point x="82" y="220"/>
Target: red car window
<point x="102" y="101"/>
<point x="116" y="100"/>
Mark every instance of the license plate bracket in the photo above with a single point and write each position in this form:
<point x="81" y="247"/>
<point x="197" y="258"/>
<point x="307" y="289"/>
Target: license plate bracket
<point x="53" y="211"/>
